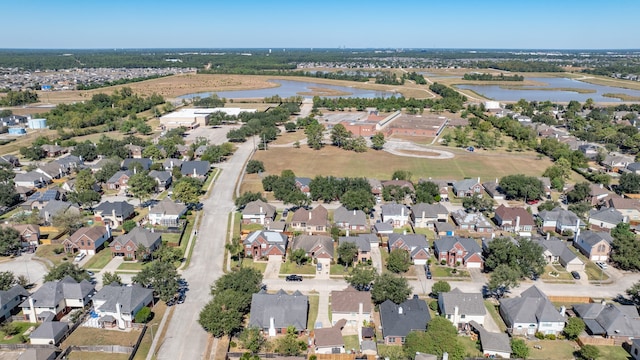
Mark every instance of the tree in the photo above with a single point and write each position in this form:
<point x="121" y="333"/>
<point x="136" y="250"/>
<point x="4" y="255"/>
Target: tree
<point x="589" y="352"/>
<point x="519" y="348"/>
<point x="503" y="278"/>
<point x="290" y="345"/>
<point x="579" y="192"/>
<point x="108" y="170"/>
<point x="314" y="135"/>
<point x="164" y="253"/>
<point x="396" y="193"/>
<point x="390" y="287"/>
<point x="222" y="315"/>
<point x="7" y="280"/>
<point x="86" y="199"/>
<point x="187" y="190"/>
<point x="142" y="253"/>
<point x="9" y="240"/>
<point x="248" y="197"/>
<point x="548" y="205"/>
<point x="34" y="152"/>
<point x="290" y="126"/>
<point x="299" y="256"/>
<point x="575" y="326"/>
<point x="361" y="276"/>
<point x="109" y="277"/>
<point x="634" y="292"/>
<point x="401" y="175"/>
<point x="141" y="185"/>
<point x="441" y="336"/>
<point x="153" y="152"/>
<point x="65" y="269"/>
<point x="625" y="251"/>
<point x="235" y="249"/>
<point x="477" y="203"/>
<point x="67" y="221"/>
<point x="244" y="282"/>
<point x="143" y="315"/>
<point x="501" y="251"/>
<point x="161" y="276"/>
<point x="23" y="281"/>
<point x="129" y="225"/>
<point x="254" y="167"/>
<point x="377" y="141"/>
<point x="440" y="287"/>
<point x="427" y="192"/>
<point x="8" y="194"/>
<point x="629" y="183"/>
<point x="358" y="199"/>
<point x="347" y="253"/>
<point x="399" y="261"/>
<point x="252" y="339"/>
<point x="85" y="150"/>
<point x="340" y="136"/>
<point x="522" y="187"/>
<point x="530" y="258"/>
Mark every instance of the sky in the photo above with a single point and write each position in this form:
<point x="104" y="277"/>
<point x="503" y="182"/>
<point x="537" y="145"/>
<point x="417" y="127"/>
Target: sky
<point x="489" y="24"/>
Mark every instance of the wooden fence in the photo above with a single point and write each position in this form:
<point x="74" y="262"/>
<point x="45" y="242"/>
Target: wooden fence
<point x="344" y="357"/>
<point x="113" y="349"/>
<point x="597" y="341"/>
<point x="571" y="299"/>
<point x="237" y="355"/>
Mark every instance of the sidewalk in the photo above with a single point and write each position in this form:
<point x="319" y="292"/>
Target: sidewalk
<point x="111" y="267"/>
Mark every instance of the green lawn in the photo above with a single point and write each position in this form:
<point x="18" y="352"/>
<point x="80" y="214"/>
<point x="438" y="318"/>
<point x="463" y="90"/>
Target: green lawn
<point x="426" y="232"/>
<point x="132" y="265"/>
<point x="339" y="269"/>
<point x="237" y="220"/>
<point x="252" y="227"/>
<point x="470" y="346"/>
<point x="613" y="353"/>
<point x="171" y="237"/>
<point x="493" y="311"/>
<point x="99" y="260"/>
<point x="47" y="252"/>
<point x="552" y="349"/>
<point x="18" y="338"/>
<point x="314" y="300"/>
<point x="562" y="273"/>
<point x="260" y="266"/>
<point x="445" y="271"/>
<point x="351" y="342"/>
<point x="289" y="267"/>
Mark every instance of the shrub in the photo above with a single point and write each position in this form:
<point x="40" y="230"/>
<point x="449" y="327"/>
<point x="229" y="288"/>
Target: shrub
<point x="540" y="335"/>
<point x="433" y="305"/>
<point x="232" y="344"/>
<point x="550" y="336"/>
<point x="143" y="315"/>
<point x="10" y="328"/>
<point x="129" y="225"/>
<point x="313" y="357"/>
<point x="58" y="250"/>
<point x="443" y="262"/>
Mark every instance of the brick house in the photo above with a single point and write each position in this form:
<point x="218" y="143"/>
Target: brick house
<point x="515" y="219"/>
<point x="29" y="234"/>
<point x="126" y="245"/>
<point x="467" y="187"/>
<point x="594" y="245"/>
<point x="354" y="220"/>
<point x="363" y="243"/>
<point x="453" y="250"/>
<point x="416" y="244"/>
<point x="119" y="180"/>
<point x="87" y="240"/>
<point x="113" y="213"/>
<point x="310" y="221"/>
<point x="261" y="244"/>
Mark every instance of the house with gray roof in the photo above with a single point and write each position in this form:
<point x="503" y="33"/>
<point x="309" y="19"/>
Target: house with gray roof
<point x="606" y="218"/>
<point x="128" y="164"/>
<point x="426" y="215"/>
<point x="273" y="313"/>
<point x="170" y="163"/>
<point x="416" y="245"/>
<point x="531" y="312"/>
<point x="10" y="299"/>
<point x="53" y="170"/>
<point x="31" y="179"/>
<point x="383" y="228"/>
<point x="460" y="308"/>
<point x="113" y="213"/>
<point x="398" y="321"/>
<point x="634" y="167"/>
<point x="316" y="246"/>
<point x="595" y="245"/>
<point x="262" y="244"/>
<point x="453" y="250"/>
<point x="127" y="245"/>
<point x="196" y="168"/>
<point x="119" y="180"/>
<point x="38" y="354"/>
<point x="162" y="178"/>
<point x="555" y="250"/>
<point x="620" y="322"/>
<point x="122" y="303"/>
<point x="49" y="333"/>
<point x="362" y="242"/>
<point x="353" y="220"/>
<point x="304" y="185"/>
<point x="494" y="345"/>
<point x="258" y="212"/>
<point x="57" y="298"/>
<point x="310" y="221"/>
<point x="57" y="207"/>
<point x="167" y="213"/>
<point x="467" y="187"/>
<point x="396" y="214"/>
<point x="559" y="220"/>
<point x="472" y="222"/>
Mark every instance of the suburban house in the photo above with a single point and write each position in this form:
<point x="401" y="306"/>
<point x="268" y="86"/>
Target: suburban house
<point x="605" y="219"/>
<point x="453" y="250"/>
<point x="166" y="213"/>
<point x="119" y="180"/>
<point x="467" y="187"/>
<point x="169" y="164"/>
<point x="634" y="167"/>
<point x="117" y="305"/>
<point x="559" y="220"/>
<point x="128" y="244"/>
<point x="629" y="208"/>
<point x="49" y="333"/>
<point x="472" y="222"/>
<point x="597" y="194"/>
<point x="39" y="199"/>
<point x="398" y="321"/>
<point x="31" y="179"/>
<point x="304" y="185"/>
<point x="556" y="251"/>
<point x="426" y="215"/>
<point x="594" y="245"/>
<point x="196" y="168"/>
<point x="619" y="322"/>
<point x="54" y="299"/>
<point x="353" y="306"/>
<point x="131" y="163"/>
<point x="531" y="312"/>
<point x="354" y="220"/>
<point x="53" y="170"/>
<point x="53" y="150"/>
<point x="363" y="243"/>
<point x="87" y="240"/>
<point x="162" y="178"/>
<point x="273" y="313"/>
<point x="29" y="234"/>
<point x="399" y="183"/>
<point x="416" y="245"/>
<point x="493" y="189"/>
<point x="258" y="212"/>
<point x="329" y="340"/>
<point x="461" y="308"/>
<point x="494" y="345"/>
<point x="310" y="221"/>
<point x="376" y="186"/>
<point x="10" y="299"/>
<point x="113" y="213"/>
<point x="514" y="220"/>
<point x="383" y="228"/>
<point x="614" y="162"/>
<point x="396" y="214"/>
<point x="262" y="243"/>
<point x="57" y="207"/>
<point x="316" y="246"/>
<point x="135" y="151"/>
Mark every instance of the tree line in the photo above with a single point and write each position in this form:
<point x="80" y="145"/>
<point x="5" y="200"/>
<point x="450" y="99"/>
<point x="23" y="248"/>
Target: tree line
<point x="490" y="77"/>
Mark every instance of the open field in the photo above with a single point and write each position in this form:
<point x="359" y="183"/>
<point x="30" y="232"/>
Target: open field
<point x="623" y="97"/>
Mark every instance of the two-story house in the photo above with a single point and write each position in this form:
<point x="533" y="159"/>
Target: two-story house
<point x="118" y="181"/>
<point x="316" y="246"/>
<point x="29" y="234"/>
<point x="262" y="243"/>
<point x="274" y="313"/>
<point x="415" y="244"/>
<point x="460" y="308"/>
<point x="559" y="220"/>
<point x="453" y="250"/>
<point x="363" y="243"/>
<point x="531" y="312"/>
<point x="87" y="240"/>
<point x="426" y="215"/>
<point x="310" y="221"/>
<point x="397" y="215"/>
<point x="467" y="187"/>
<point x="258" y="212"/>
<point x="127" y="245"/>
<point x="514" y="219"/>
<point x="129" y="299"/>
<point x="353" y="220"/>
<point x="472" y="222"/>
<point x="54" y="299"/>
<point x="113" y="213"/>
<point x="353" y="306"/>
<point x="629" y="208"/>
<point x="594" y="245"/>
<point x="605" y="218"/>
<point x="166" y="213"/>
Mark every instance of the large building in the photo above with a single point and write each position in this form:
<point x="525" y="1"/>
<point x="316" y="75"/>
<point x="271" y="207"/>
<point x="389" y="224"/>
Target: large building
<point x="192" y="118"/>
<point x="417" y="125"/>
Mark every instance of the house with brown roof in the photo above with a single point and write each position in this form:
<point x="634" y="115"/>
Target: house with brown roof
<point x="135" y="151"/>
<point x="514" y="219"/>
<point x="329" y="340"/>
<point x="354" y="220"/>
<point x="353" y="306"/>
<point x="260" y="244"/>
<point x="416" y="245"/>
<point x="453" y="250"/>
<point x="310" y="221"/>
<point x="53" y="150"/>
<point x="597" y="194"/>
<point x="87" y="240"/>
<point x="119" y="180"/>
<point x="401" y="183"/>
<point x="258" y="212"/>
<point x="29" y="234"/>
<point x="363" y="243"/>
<point x="128" y="244"/>
<point x="630" y="208"/>
<point x="316" y="246"/>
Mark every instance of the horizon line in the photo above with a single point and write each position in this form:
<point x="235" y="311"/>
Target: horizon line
<point x="327" y="48"/>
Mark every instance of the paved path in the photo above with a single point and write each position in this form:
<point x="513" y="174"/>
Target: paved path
<point x="273" y="267"/>
<point x="111" y="267"/>
<point x="25" y="265"/>
<point x="323" y="309"/>
<point x="376" y="259"/>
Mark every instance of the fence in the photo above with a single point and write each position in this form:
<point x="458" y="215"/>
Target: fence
<point x="344" y="357"/>
<point x="237" y="355"/>
<point x="137" y="345"/>
<point x="597" y="341"/>
<point x="117" y="349"/>
<point x="25" y="346"/>
<point x="571" y="299"/>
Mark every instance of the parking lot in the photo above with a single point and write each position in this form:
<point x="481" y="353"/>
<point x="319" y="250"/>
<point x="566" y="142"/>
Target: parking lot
<point x="215" y="134"/>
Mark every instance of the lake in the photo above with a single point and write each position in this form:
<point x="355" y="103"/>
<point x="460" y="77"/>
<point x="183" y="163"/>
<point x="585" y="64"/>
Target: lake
<point x="290" y="88"/>
<point x="531" y="93"/>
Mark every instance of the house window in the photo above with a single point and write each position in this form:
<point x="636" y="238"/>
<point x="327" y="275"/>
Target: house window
<point x="463" y="316"/>
<point x="82" y="242"/>
<point x="88" y="242"/>
<point x="118" y="247"/>
<point x="392" y="339"/>
<point x="128" y="248"/>
<point x="601" y="248"/>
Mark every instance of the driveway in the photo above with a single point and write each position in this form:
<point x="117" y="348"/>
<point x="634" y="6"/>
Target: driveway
<point x="323" y="309"/>
<point x="273" y="267"/>
<point x="376" y="259"/>
<point x="111" y="267"/>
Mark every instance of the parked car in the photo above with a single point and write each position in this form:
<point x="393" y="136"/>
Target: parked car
<point x="533" y="202"/>
<point x="90" y="273"/>
<point x="293" y="278"/>
<point x="171" y="302"/>
<point x="429" y="276"/>
<point x="601" y="265"/>
<point x="181" y="298"/>
<point x="575" y="275"/>
<point x="79" y="257"/>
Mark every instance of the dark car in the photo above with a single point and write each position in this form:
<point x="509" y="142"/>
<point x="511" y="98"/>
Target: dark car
<point x="575" y="275"/>
<point x="171" y="302"/>
<point x="293" y="278"/>
<point x="429" y="275"/>
<point x="181" y="298"/>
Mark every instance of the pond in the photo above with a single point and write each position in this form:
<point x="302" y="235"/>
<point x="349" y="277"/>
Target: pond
<point x="288" y="88"/>
<point x="558" y="90"/>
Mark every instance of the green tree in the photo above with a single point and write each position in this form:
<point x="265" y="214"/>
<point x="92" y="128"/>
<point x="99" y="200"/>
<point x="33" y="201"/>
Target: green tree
<point x="161" y="276"/>
<point x="575" y="326"/>
<point x="377" y="141"/>
<point x="299" y="256"/>
<point x="187" y="190"/>
<point x="427" y="192"/>
<point x="290" y="126"/>
<point x="58" y="272"/>
<point x="401" y="175"/>
<point x="548" y="205"/>
<point x="314" y="135"/>
<point x="347" y="253"/>
<point x="390" y="287"/>
<point x="530" y="258"/>
<point x="634" y="292"/>
<point x="625" y="250"/>
<point x="141" y="185"/>
<point x="143" y="316"/>
<point x="290" y="345"/>
<point x="86" y="199"/>
<point x="589" y="352"/>
<point x="519" y="348"/>
<point x="503" y="278"/>
<point x="67" y="221"/>
<point x="358" y="199"/>
<point x="8" y="194"/>
<point x="501" y="251"/>
<point x="252" y="339"/>
<point x="111" y="167"/>
<point x="399" y="261"/>
<point x="109" y="277"/>
<point x="361" y="276"/>
<point x="235" y="249"/>
<point x="34" y="152"/>
<point x="340" y="136"/>
<point x="522" y="187"/>
<point x="477" y="203"/>
<point x="440" y="287"/>
<point x="629" y="183"/>
<point x="85" y="180"/>
<point x="396" y="193"/>
<point x="7" y="280"/>
<point x="254" y="167"/>
<point x="129" y="225"/>
<point x="9" y="240"/>
<point x="222" y="315"/>
<point x="248" y="197"/>
<point x="153" y="152"/>
<point x="85" y="150"/>
<point x="441" y="336"/>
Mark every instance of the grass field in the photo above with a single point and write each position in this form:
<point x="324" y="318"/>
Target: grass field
<point x="99" y="260"/>
<point x="85" y="336"/>
<point x="47" y="252"/>
<point x="351" y="342"/>
<point x="18" y="338"/>
<point x="132" y="265"/>
<point x="79" y="355"/>
<point x="470" y="346"/>
<point x="289" y="267"/>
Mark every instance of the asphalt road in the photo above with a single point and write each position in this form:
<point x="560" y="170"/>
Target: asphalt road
<point x="185" y="338"/>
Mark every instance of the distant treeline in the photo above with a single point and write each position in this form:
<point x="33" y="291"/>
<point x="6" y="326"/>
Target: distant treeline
<point x="17" y="98"/>
<point x="489" y="77"/>
<point x="519" y="66"/>
<point x="338" y="75"/>
<point x="90" y="86"/>
<point x="622" y="68"/>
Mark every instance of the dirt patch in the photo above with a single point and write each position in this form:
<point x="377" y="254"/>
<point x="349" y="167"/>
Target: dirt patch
<point x="318" y="91"/>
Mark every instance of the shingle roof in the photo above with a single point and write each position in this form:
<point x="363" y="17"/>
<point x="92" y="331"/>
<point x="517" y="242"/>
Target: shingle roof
<point x="362" y="243"/>
<point x="593" y="237"/>
<point x="144" y="162"/>
<point x="351" y="217"/>
<point x="162" y="176"/>
<point x="273" y="238"/>
<point x="129" y="297"/>
<point x="508" y="213"/>
<point x="430" y="211"/>
<point x="259" y="207"/>
<point x="399" y="320"/>
<point x="315" y="217"/>
<point x="414" y="242"/>
<point x="29" y="176"/>
<point x="38" y="354"/>
<point x="51" y="293"/>
<point x="608" y="215"/>
<point x="138" y="236"/>
<point x="115" y="177"/>
<point x="348" y="301"/>
<point x="394" y="210"/>
<point x="168" y="207"/>
<point x="121" y="208"/>
<point x="446" y="244"/>
<point x="531" y="307"/>
<point x="322" y="244"/>
<point x="50" y="330"/>
<point x="286" y="310"/>
<point x="55" y="207"/>
<point x="613" y="320"/>
<point x="329" y="337"/>
<point x="560" y="216"/>
<point x="491" y="341"/>
<point x="91" y="233"/>
<point x="467" y="303"/>
<point x="8" y="295"/>
<point x="200" y="168"/>
<point x="464" y="185"/>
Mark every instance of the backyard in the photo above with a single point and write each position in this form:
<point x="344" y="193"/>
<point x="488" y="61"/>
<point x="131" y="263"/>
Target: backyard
<point x="86" y="336"/>
<point x="19" y="337"/>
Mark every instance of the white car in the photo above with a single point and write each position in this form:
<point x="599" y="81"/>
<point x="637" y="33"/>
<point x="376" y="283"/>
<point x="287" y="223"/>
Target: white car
<point x="79" y="257"/>
<point x="601" y="265"/>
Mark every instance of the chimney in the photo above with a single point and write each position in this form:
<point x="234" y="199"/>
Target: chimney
<point x="563" y="310"/>
<point x="310" y="214"/>
<point x="548" y="235"/>
<point x="404" y="232"/>
<point x="106" y="225"/>
<point x="601" y="186"/>
<point x="113" y="213"/>
<point x="260" y="209"/>
<point x="402" y="211"/>
<point x="272" y="326"/>
<point x="194" y="172"/>
<point x="478" y="179"/>
<point x="354" y="212"/>
<point x="456" y="311"/>
<point x="517" y="224"/>
<point x="399" y="310"/>
<point x="347" y="232"/>
<point x="32" y="311"/>
<point x="577" y="230"/>
<point x="119" y="318"/>
<point x="423" y="214"/>
<point x="171" y="164"/>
